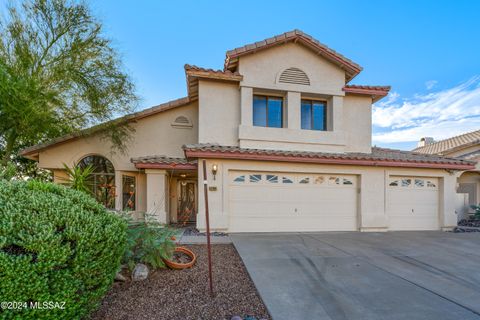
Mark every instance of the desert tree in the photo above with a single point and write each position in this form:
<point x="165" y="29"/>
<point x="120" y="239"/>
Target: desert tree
<point x="58" y="75"/>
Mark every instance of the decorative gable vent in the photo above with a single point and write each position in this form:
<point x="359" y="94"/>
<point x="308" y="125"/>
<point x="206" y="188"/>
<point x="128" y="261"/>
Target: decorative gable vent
<point x="295" y="76"/>
<point x="182" y="122"/>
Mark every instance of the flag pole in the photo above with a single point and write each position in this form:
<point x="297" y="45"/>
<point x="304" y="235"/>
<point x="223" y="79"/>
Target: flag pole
<point x="209" y="248"/>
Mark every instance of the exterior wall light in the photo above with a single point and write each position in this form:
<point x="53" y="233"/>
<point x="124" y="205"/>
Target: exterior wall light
<point x="214" y="170"/>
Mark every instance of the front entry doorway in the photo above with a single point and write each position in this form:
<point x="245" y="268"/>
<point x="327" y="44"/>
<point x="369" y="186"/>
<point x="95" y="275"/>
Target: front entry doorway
<point x="187" y="201"/>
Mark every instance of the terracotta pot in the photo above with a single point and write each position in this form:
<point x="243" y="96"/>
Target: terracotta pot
<point x="179" y="266"/>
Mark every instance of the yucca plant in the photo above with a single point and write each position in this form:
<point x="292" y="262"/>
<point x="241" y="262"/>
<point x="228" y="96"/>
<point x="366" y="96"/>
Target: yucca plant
<point x="78" y="177"/>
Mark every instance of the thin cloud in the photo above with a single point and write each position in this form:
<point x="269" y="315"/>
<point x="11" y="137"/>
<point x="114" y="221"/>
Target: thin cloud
<point x="440" y="114"/>
<point x="430" y="84"/>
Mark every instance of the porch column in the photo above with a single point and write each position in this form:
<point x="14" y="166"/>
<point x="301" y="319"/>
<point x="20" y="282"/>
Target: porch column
<point x="157" y="194"/>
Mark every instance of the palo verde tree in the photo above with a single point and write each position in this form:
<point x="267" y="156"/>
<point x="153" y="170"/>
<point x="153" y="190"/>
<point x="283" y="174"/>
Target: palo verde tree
<point x="58" y="75"/>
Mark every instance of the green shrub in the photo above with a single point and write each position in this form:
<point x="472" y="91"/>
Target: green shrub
<point x="56" y="245"/>
<point x="148" y="242"/>
<point x="476" y="214"/>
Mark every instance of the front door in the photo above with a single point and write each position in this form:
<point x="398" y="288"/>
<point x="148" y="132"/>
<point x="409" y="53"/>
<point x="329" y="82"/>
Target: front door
<point x="187" y="204"/>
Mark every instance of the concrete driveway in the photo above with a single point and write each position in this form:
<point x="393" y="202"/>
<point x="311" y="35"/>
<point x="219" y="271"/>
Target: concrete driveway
<point x="353" y="275"/>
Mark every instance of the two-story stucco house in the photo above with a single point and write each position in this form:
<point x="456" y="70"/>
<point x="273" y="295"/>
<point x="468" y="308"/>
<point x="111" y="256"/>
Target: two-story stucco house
<point x="288" y="147"/>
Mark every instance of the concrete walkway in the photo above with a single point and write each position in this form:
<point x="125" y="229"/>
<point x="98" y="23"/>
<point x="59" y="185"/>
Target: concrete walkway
<point x="203" y="240"/>
<point x="394" y="275"/>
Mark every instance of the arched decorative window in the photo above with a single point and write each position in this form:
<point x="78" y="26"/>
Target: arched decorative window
<point x="102" y="181"/>
<point x="294" y="76"/>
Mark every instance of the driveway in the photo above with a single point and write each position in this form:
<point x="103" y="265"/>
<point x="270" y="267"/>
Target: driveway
<point x="353" y="275"/>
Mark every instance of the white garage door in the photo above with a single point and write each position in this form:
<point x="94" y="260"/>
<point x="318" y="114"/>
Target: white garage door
<point x="412" y="203"/>
<point x="264" y="202"/>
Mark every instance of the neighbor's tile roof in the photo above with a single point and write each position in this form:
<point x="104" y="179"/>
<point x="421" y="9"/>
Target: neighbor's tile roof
<point x="451" y="144"/>
<point x="125" y="119"/>
<point x="298" y="36"/>
<point x="381" y="155"/>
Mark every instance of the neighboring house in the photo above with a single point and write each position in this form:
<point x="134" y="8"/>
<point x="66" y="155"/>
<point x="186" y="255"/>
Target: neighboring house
<point x="465" y="146"/>
<point x="288" y="148"/>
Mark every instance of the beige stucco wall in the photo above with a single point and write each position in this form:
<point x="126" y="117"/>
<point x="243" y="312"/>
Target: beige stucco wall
<point x="261" y="70"/>
<point x="357" y="123"/>
<point x="153" y="135"/>
<point x="373" y="198"/>
<point x="219" y="112"/>
<point x="348" y="117"/>
<point x="473" y="178"/>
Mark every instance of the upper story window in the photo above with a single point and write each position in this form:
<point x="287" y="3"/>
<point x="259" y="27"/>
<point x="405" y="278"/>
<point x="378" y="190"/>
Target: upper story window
<point x="267" y="111"/>
<point x="314" y="115"/>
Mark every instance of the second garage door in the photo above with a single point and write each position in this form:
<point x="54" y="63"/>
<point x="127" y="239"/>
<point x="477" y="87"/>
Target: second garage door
<point x="268" y="202"/>
<point x="412" y="203"/>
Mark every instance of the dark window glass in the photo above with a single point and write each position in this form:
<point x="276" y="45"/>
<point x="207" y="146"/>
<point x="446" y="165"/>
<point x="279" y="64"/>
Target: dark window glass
<point x="274" y="118"/>
<point x="318" y="116"/>
<point x="129" y="190"/>
<point x="260" y="111"/>
<point x="306" y="115"/>
<point x="267" y="111"/>
<point x="102" y="181"/>
<point x="313" y="115"/>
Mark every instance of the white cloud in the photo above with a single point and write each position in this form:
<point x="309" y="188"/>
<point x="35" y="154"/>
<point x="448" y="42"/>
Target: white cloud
<point x="430" y="84"/>
<point x="440" y="114"/>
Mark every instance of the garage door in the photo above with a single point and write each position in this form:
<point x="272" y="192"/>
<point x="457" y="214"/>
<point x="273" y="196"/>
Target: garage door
<point x="412" y="203"/>
<point x="268" y="202"/>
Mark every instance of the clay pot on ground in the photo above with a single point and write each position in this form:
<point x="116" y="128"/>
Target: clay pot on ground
<point x="173" y="264"/>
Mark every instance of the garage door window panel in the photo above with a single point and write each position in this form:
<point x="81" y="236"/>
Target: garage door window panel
<point x="319" y="180"/>
<point x="271" y="178"/>
<point x="406" y="182"/>
<point x="239" y="179"/>
<point x="255" y="178"/>
<point x="287" y="180"/>
<point x="305" y="180"/>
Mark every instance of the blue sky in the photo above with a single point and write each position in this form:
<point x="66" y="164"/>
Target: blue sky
<point x="428" y="51"/>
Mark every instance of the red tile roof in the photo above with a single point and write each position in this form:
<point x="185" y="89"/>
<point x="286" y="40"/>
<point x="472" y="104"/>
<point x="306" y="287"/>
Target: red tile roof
<point x="377" y="92"/>
<point x="378" y="157"/>
<point x="163" y="162"/>
<point x="194" y="73"/>
<point x="351" y="68"/>
<point x="125" y="119"/>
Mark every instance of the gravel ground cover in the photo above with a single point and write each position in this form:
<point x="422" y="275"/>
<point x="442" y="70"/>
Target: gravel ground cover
<point x="472" y="225"/>
<point x="171" y="295"/>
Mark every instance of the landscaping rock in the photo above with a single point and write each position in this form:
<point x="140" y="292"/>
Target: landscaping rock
<point x="185" y="293"/>
<point x="120" y="277"/>
<point x="140" y="272"/>
<point x="236" y="318"/>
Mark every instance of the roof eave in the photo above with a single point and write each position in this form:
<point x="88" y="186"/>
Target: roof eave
<point x="34" y="150"/>
<point x="179" y="166"/>
<point x="351" y="68"/>
<point x="376" y="94"/>
<point x="323" y="160"/>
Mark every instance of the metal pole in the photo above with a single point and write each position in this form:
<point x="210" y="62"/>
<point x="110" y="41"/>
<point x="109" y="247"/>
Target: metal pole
<point x="209" y="248"/>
